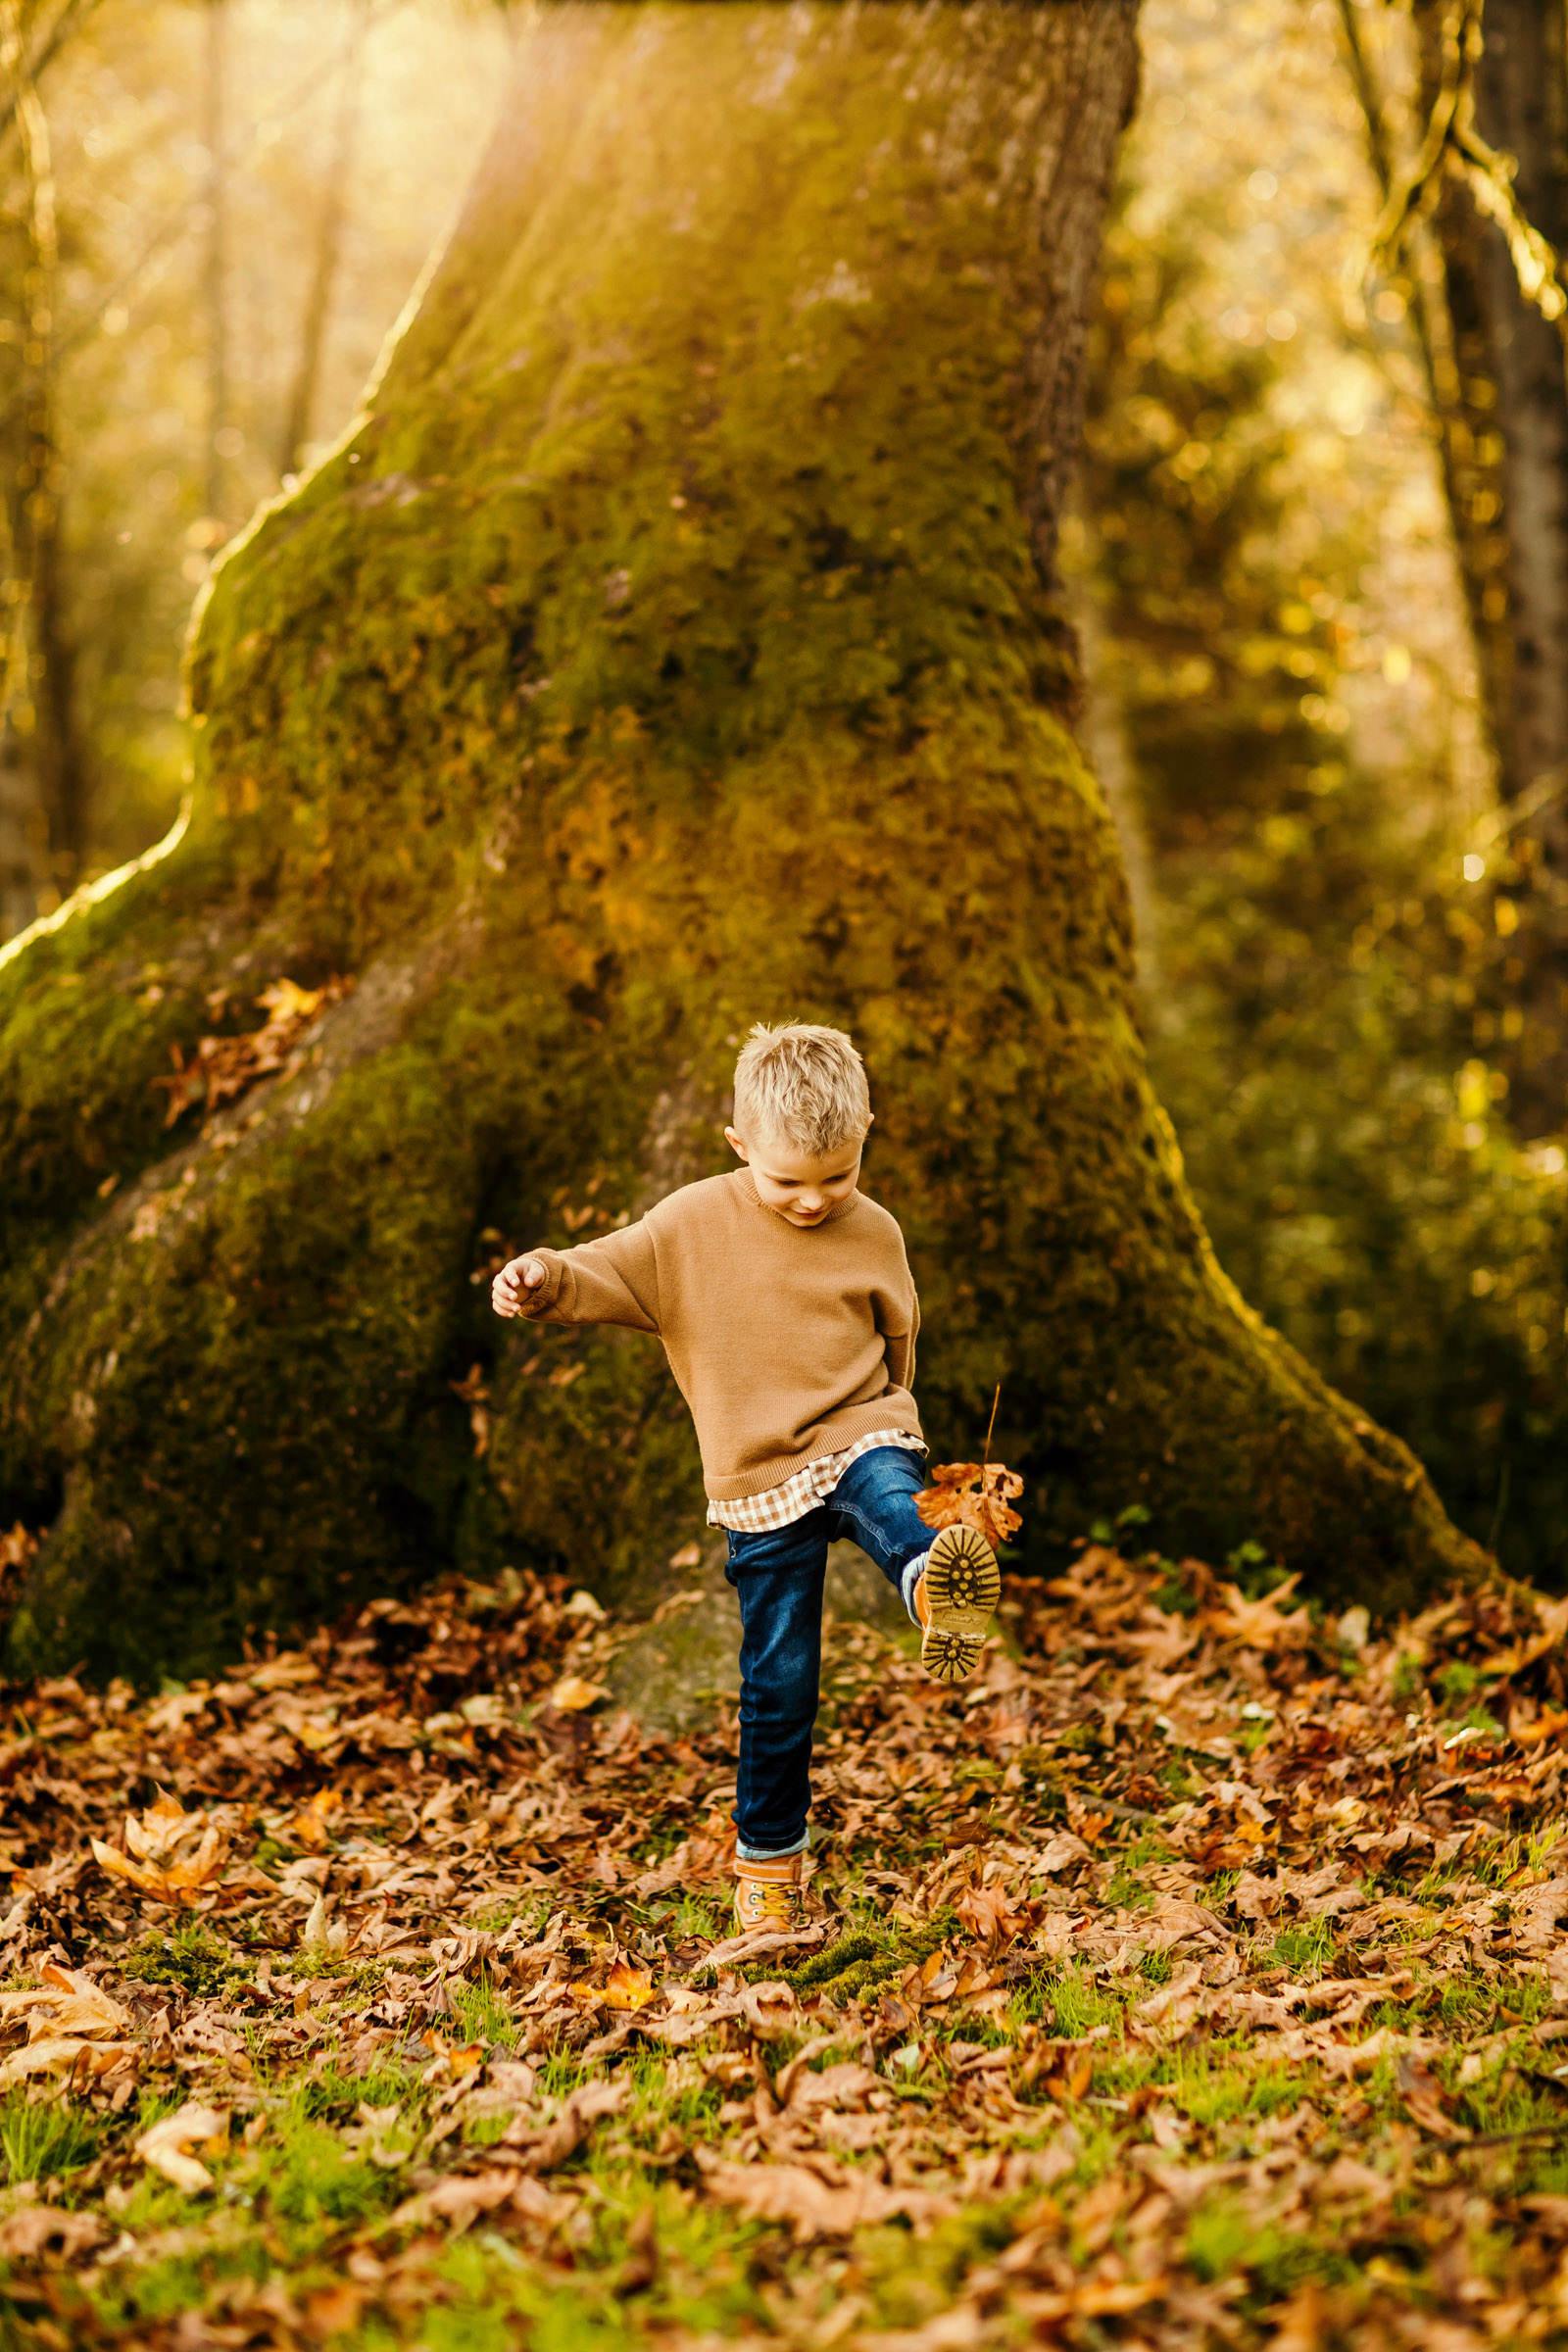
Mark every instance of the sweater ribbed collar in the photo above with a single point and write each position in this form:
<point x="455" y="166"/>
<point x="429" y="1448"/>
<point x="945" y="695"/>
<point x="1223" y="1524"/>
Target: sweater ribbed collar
<point x="743" y="1180"/>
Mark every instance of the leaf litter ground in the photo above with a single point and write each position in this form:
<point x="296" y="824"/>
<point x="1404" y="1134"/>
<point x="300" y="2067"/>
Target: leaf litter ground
<point x="1194" y="1976"/>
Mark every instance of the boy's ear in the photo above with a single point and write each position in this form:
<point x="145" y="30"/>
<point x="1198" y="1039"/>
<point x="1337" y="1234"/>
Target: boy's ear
<point x="736" y="1143"/>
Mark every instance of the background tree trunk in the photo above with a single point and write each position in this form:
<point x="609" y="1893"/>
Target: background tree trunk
<point x="328" y="251"/>
<point x="1507" y="432"/>
<point x="671" y="645"/>
<point x="214" y="289"/>
<point x="42" y="810"/>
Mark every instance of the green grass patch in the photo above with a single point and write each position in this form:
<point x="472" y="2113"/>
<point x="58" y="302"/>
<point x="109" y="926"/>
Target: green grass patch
<point x="480" y="2013"/>
<point x="1307" y="1950"/>
<point x="1073" y="2003"/>
<point x="1222" y="2240"/>
<point x="43" y="2140"/>
<point x="1216" y="2086"/>
<point x="306" y="2179"/>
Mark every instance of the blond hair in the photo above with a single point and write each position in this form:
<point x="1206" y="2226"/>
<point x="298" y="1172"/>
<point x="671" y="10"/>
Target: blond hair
<point x="805" y="1085"/>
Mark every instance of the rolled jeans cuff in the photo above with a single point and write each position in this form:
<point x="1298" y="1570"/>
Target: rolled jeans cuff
<point x="771" y="1853"/>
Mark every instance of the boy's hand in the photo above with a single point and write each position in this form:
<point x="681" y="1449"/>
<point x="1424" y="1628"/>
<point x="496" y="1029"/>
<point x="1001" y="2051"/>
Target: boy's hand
<point x="508" y="1289"/>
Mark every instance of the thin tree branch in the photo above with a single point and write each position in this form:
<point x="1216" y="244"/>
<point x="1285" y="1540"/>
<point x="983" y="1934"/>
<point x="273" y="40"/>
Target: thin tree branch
<point x="175" y="225"/>
<point x="328" y="247"/>
<point x="44" y="53"/>
<point x="1451" y="143"/>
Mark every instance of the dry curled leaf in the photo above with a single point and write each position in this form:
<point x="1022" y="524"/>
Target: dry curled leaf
<point x="817" y="2208"/>
<point x="1096" y="2300"/>
<point x="333" y="2311"/>
<point x="71" y="2003"/>
<point x="1262" y="1624"/>
<point x="973" y="1494"/>
<point x="167" y="2144"/>
<point x="73" y="2029"/>
<point x="308" y="1827"/>
<point x="574" y="1697"/>
<point x="458" y="2198"/>
<point x="988" y="1912"/>
<point x="34" y="2230"/>
<point x="627" y="1987"/>
<point x="18" y="1548"/>
<point x="173" y="1855"/>
<point x="220" y="1068"/>
<point x="1426" y="2101"/>
<point x="70" y="2055"/>
<point x="455" y="2058"/>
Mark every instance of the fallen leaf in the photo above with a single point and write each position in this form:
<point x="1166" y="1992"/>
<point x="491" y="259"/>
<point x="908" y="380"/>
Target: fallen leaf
<point x="323" y="1935"/>
<point x="457" y="2199"/>
<point x="1059" y="1853"/>
<point x="34" y="2230"/>
<point x="1262" y="1624"/>
<point x="627" y="1987"/>
<point x="73" y="2002"/>
<point x="308" y="1827"/>
<point x="1095" y="2299"/>
<point x="1426" y="2101"/>
<point x="990" y="1914"/>
<point x="334" y="2310"/>
<point x="18" y="1548"/>
<point x="457" y="2057"/>
<point x="972" y="1494"/>
<point x="70" y="2056"/>
<point x="542" y="2147"/>
<point x="173" y="1857"/>
<point x="572" y="1695"/>
<point x="167" y="2145"/>
<point x="222" y="1069"/>
<point x="819" y="2208"/>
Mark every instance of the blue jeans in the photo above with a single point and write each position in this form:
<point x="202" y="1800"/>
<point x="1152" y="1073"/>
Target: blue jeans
<point x="778" y="1578"/>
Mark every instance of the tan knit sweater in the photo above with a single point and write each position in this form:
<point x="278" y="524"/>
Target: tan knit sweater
<point x="787" y="1341"/>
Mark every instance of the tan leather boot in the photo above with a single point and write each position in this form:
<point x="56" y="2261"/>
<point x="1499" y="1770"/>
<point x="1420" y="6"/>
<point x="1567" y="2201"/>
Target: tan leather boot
<point x="769" y="1895"/>
<point x="954" y="1595"/>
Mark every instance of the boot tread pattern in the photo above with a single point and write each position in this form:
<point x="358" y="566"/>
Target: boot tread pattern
<point x="963" y="1586"/>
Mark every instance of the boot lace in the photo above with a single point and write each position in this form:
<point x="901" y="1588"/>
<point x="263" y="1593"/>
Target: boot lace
<point x="769" y="1902"/>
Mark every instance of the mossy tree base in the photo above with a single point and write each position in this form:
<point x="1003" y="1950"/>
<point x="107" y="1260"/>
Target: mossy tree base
<point x="669" y="645"/>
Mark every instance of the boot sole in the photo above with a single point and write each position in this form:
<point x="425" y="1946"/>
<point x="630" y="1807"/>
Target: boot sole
<point x="963" y="1586"/>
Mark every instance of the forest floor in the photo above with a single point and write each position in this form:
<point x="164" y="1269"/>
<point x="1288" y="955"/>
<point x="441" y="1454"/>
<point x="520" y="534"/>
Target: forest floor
<point x="1193" y="1977"/>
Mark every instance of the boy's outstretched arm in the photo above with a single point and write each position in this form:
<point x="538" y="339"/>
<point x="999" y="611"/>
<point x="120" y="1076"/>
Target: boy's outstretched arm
<point x="613" y="1278"/>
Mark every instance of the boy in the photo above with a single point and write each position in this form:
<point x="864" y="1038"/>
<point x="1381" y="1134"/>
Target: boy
<point x="784" y="1301"/>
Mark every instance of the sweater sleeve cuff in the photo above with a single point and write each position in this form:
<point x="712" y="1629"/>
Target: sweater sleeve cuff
<point x="536" y="1302"/>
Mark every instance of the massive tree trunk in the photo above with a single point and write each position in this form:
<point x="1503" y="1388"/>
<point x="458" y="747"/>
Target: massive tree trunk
<point x="670" y="644"/>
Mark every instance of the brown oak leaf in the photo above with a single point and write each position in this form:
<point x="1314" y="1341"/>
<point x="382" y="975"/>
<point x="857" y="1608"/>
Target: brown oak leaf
<point x="973" y="1494"/>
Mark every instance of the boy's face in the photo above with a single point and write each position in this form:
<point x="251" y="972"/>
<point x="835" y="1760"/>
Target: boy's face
<point x="802" y="1189"/>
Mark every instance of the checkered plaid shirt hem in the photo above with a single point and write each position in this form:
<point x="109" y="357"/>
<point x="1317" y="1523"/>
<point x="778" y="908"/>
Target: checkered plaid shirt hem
<point x="782" y="1506"/>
